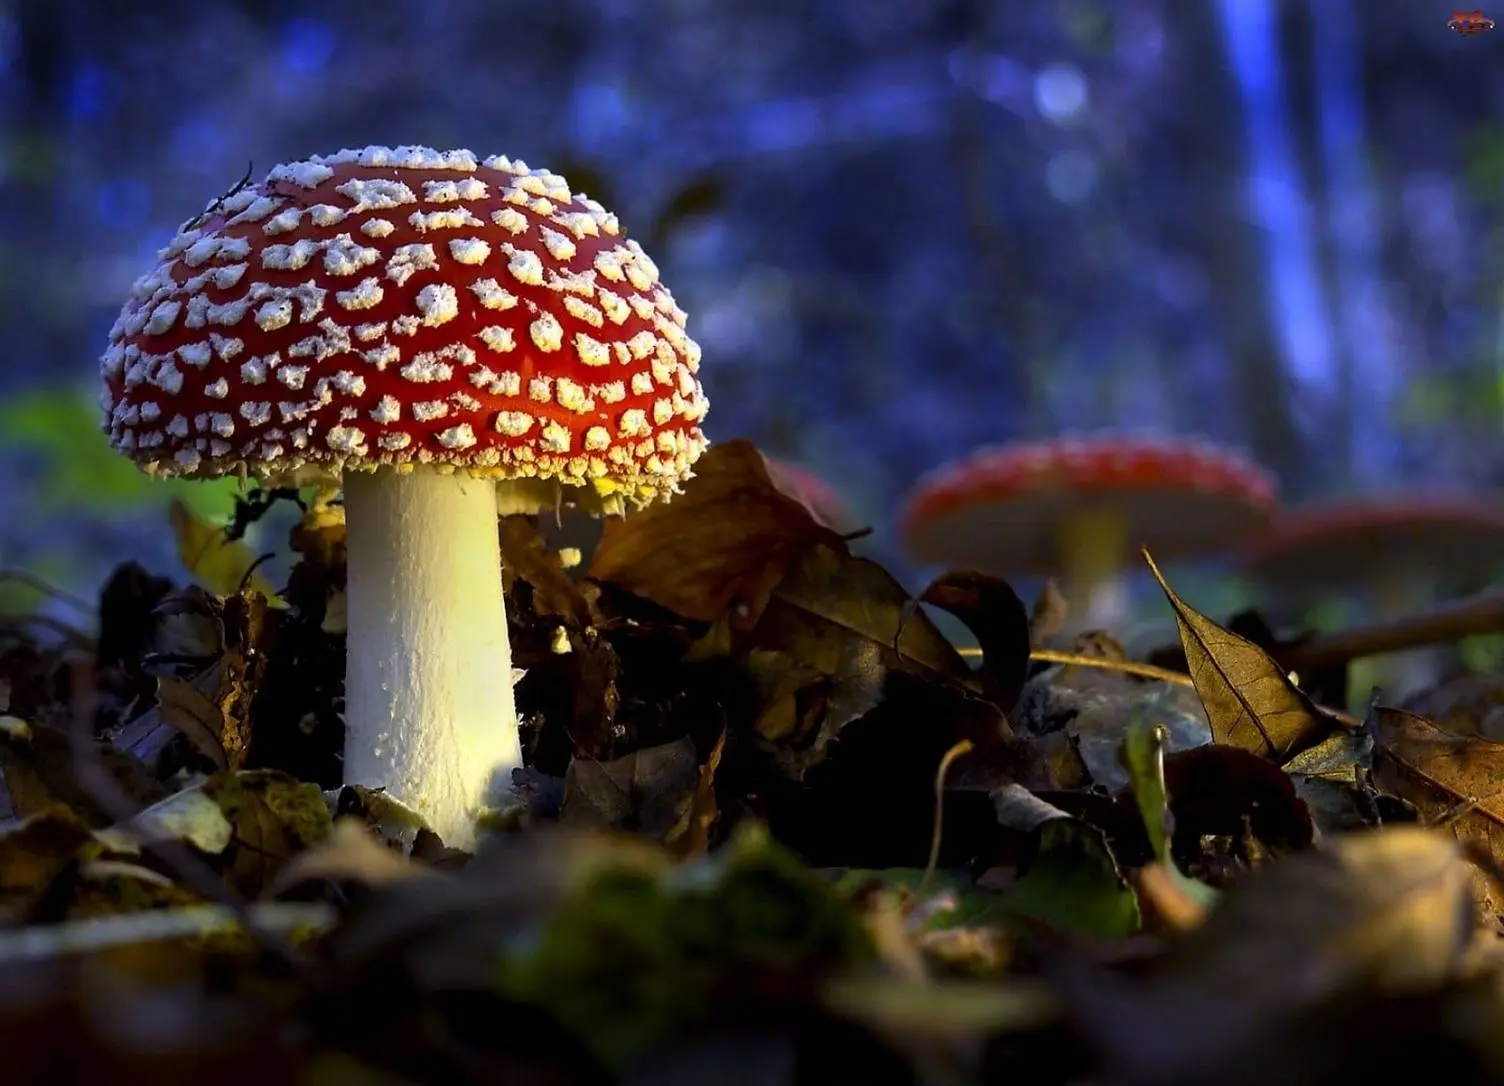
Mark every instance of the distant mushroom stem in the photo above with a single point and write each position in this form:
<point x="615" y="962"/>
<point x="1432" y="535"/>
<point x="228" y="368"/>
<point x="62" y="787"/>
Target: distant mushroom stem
<point x="1093" y="548"/>
<point x="1401" y="590"/>
<point x="429" y="707"/>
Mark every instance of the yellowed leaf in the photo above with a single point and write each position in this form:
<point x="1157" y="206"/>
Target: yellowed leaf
<point x="1250" y="701"/>
<point x="216" y="562"/>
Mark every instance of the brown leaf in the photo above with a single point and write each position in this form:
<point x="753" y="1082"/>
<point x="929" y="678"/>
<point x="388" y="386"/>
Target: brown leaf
<point x="1377" y="913"/>
<point x="862" y="597"/>
<point x="648" y="790"/>
<point x="39" y="770"/>
<point x="1218" y="791"/>
<point x="1250" y="702"/>
<point x="183" y="705"/>
<point x="726" y="542"/>
<point x="690" y="836"/>
<point x="1454" y="781"/>
<point x="527" y="556"/>
<point x="33" y="852"/>
<point x="1464" y="705"/>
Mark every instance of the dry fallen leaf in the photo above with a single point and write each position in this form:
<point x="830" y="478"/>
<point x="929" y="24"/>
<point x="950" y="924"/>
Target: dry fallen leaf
<point x="1454" y="781"/>
<point x="726" y="541"/>
<point x="1385" y="912"/>
<point x="690" y="835"/>
<point x="1250" y="701"/>
<point x="648" y="790"/>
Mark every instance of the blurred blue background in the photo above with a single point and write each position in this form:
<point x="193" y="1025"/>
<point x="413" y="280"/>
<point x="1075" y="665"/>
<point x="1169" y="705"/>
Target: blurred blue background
<point x="901" y="227"/>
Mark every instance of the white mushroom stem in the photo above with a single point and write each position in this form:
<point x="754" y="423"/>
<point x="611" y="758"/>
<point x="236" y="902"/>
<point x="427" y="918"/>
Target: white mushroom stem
<point x="1092" y="545"/>
<point x="429" y="709"/>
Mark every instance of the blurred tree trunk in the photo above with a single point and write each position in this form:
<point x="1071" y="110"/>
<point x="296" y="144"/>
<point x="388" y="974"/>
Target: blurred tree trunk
<point x="34" y="117"/>
<point x="1003" y="306"/>
<point x="1299" y="41"/>
<point x="1232" y="249"/>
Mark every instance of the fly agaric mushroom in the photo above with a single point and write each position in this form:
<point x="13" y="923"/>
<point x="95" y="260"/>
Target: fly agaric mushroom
<point x="1395" y="549"/>
<point x="446" y="338"/>
<point x="1077" y="507"/>
<point x="813" y="491"/>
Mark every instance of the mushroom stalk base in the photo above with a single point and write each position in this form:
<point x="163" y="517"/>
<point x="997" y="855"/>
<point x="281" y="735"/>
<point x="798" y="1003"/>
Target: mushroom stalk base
<point x="1093" y="546"/>
<point x="429" y="708"/>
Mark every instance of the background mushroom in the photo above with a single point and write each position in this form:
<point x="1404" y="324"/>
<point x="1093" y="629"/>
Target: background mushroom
<point x="1391" y="553"/>
<point x="814" y="491"/>
<point x="1078" y="509"/>
<point x="416" y="326"/>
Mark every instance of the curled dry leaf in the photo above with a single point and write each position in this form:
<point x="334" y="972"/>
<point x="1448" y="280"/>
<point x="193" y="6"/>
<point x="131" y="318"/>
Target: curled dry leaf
<point x="1250" y="701"/>
<point x="996" y="617"/>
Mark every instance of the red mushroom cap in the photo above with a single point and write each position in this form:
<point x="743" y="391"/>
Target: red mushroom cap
<point x="1348" y="543"/>
<point x="407" y="306"/>
<point x="814" y="491"/>
<point x="1001" y="505"/>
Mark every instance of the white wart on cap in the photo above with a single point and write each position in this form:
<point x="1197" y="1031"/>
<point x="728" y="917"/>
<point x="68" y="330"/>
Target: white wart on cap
<point x="407" y="306"/>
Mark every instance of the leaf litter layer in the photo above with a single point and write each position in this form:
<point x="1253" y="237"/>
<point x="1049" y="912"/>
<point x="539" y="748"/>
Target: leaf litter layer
<point x="773" y="828"/>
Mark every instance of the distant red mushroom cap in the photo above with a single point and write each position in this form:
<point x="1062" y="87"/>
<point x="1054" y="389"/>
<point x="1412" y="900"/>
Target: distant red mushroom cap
<point x="1002" y="505"/>
<point x="814" y="491"/>
<point x="1348" y="543"/>
<point x="407" y="306"/>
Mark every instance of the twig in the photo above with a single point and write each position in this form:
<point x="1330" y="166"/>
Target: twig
<point x="1476" y="616"/>
<point x="960" y="750"/>
<point x="1127" y="667"/>
<point x="32" y="581"/>
<point x="1147" y="671"/>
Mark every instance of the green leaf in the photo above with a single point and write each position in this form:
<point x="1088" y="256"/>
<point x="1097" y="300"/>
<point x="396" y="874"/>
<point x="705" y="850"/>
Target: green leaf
<point x="59" y="426"/>
<point x="1069" y="877"/>
<point x="1143" y="757"/>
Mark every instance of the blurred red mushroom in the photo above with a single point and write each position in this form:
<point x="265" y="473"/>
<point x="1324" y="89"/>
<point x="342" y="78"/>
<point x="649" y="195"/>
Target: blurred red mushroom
<point x="1078" y="508"/>
<point x="813" y="491"/>
<point x="1394" y="552"/>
